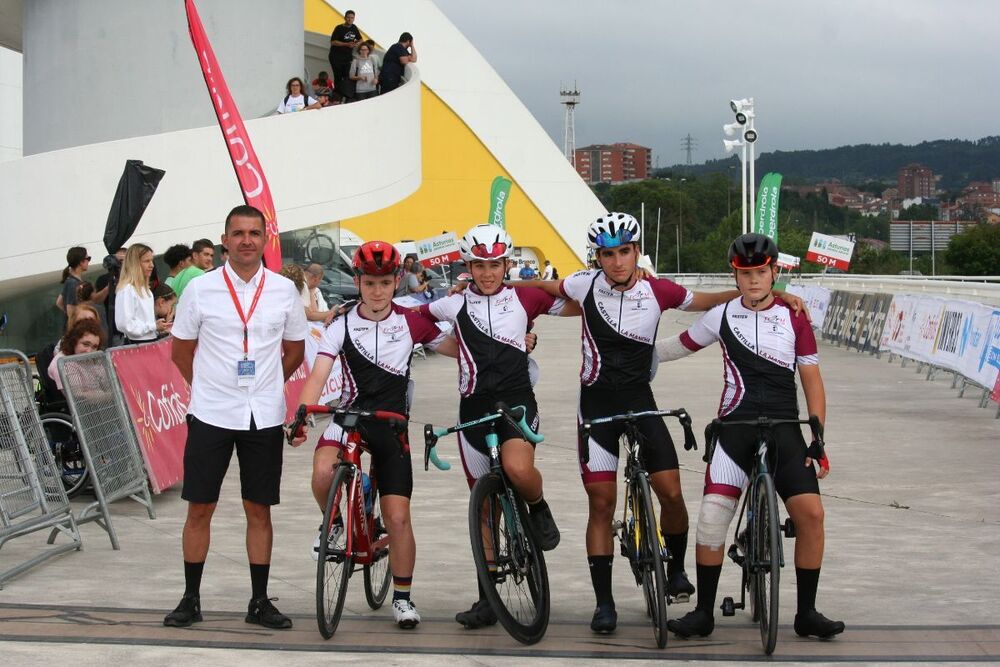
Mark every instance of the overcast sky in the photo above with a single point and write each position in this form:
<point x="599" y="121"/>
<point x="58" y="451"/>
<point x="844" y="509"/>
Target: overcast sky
<point x="823" y="74"/>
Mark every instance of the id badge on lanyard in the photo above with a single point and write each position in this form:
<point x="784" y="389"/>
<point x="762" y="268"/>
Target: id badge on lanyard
<point x="246" y="368"/>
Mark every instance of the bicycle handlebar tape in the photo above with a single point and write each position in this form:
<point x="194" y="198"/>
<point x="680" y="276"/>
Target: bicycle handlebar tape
<point x="438" y="463"/>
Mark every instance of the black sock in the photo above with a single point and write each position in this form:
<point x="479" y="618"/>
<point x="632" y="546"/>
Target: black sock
<point x="192" y="578"/>
<point x="806" y="582"/>
<point x="600" y="577"/>
<point x="677" y="544"/>
<point x="538" y="506"/>
<point x="708" y="586"/>
<point x="258" y="579"/>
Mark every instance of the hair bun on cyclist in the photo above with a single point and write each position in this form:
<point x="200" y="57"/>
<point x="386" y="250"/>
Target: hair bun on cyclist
<point x="376" y="258"/>
<point x="485" y="242"/>
<point x="750" y="251"/>
<point x="612" y="230"/>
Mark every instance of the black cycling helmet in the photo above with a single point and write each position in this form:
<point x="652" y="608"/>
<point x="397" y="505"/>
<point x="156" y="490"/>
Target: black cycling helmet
<point x="750" y="251"/>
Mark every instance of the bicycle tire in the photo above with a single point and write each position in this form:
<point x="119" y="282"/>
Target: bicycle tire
<point x="518" y="591"/>
<point x="66" y="450"/>
<point x="768" y="562"/>
<point x="377" y="573"/>
<point x="334" y="566"/>
<point x="654" y="579"/>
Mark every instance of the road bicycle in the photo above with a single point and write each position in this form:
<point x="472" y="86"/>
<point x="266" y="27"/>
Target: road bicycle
<point x="757" y="547"/>
<point x="353" y="535"/>
<point x="639" y="532"/>
<point x="509" y="560"/>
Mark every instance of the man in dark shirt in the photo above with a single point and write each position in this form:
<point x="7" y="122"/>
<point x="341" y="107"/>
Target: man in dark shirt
<point x="342" y="42"/>
<point x="396" y="59"/>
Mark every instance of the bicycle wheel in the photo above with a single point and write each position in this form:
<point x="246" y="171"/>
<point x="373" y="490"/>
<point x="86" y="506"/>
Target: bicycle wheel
<point x="377" y="574"/>
<point x="66" y="450"/>
<point x="335" y="561"/>
<point x="654" y="580"/>
<point x="767" y="562"/>
<point x="518" y="588"/>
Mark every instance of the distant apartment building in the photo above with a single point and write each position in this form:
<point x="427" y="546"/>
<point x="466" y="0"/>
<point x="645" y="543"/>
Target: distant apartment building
<point x="614" y="163"/>
<point x="915" y="180"/>
<point x="980" y="194"/>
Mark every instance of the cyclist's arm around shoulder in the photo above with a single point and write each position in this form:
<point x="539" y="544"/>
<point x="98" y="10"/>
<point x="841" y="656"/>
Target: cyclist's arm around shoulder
<point x="550" y="287"/>
<point x="708" y="300"/>
<point x="448" y="347"/>
<point x="701" y="334"/>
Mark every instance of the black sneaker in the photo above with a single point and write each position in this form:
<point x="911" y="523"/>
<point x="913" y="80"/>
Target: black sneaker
<point x="262" y="612"/>
<point x="605" y="619"/>
<point x="545" y="528"/>
<point x="816" y="624"/>
<point x="480" y="616"/>
<point x="679" y="586"/>
<point x="186" y="613"/>
<point x="695" y="623"/>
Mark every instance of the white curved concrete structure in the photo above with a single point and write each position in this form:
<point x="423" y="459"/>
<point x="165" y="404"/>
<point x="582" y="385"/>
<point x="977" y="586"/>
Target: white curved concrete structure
<point x="51" y="201"/>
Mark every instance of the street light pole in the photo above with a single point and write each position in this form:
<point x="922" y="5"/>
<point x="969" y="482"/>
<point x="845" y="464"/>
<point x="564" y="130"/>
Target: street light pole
<point x="656" y="253"/>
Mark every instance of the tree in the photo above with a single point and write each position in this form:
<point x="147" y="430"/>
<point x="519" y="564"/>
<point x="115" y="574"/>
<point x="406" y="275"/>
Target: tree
<point x="975" y="252"/>
<point x="919" y="212"/>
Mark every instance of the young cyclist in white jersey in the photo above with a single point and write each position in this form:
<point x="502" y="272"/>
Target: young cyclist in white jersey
<point x="763" y="343"/>
<point x="374" y="341"/>
<point x="621" y="312"/>
<point x="490" y="321"/>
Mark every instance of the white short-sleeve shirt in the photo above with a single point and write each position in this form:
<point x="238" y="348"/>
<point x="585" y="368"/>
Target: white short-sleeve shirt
<point x="206" y="313"/>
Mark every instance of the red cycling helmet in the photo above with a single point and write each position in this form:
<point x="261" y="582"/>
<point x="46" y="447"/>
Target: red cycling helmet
<point x="376" y="258"/>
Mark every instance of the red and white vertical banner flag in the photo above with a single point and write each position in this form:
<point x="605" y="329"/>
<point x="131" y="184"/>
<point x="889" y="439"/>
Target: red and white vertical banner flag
<point x="249" y="172"/>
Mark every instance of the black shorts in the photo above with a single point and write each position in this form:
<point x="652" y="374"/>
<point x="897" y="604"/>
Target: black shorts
<point x="472" y="442"/>
<point x="207" y="454"/>
<point x="658" y="453"/>
<point x="787" y="458"/>
<point x="390" y="456"/>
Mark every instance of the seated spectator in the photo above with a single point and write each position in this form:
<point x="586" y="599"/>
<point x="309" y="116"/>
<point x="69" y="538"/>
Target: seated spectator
<point x="164" y="301"/>
<point x="177" y="258"/>
<point x="296" y="99"/>
<point x="395" y="61"/>
<point x="414" y="285"/>
<point x="322" y="81"/>
<point x="364" y="74"/>
<point x="326" y="97"/>
<point x="316" y="308"/>
<point x="84" y="336"/>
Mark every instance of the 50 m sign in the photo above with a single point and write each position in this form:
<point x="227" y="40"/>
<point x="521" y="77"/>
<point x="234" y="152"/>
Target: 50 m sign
<point x="830" y="251"/>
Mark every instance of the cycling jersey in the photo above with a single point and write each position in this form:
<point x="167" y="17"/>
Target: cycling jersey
<point x="619" y="327"/>
<point x="760" y="350"/>
<point x="376" y="356"/>
<point x="490" y="330"/>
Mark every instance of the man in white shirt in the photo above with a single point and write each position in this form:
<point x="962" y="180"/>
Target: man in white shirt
<point x="547" y="273"/>
<point x="316" y="308"/>
<point x="238" y="335"/>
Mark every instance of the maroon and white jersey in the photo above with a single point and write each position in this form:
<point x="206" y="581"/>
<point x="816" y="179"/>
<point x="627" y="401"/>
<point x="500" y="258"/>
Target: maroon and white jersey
<point x="376" y="356"/>
<point x="619" y="327"/>
<point x="492" y="357"/>
<point x="760" y="350"/>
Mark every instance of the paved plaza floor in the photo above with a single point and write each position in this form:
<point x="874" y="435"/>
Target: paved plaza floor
<point x="913" y="533"/>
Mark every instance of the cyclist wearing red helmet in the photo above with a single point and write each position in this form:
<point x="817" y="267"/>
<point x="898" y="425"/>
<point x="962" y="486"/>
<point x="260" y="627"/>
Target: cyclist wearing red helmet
<point x="763" y="343"/>
<point x="374" y="340"/>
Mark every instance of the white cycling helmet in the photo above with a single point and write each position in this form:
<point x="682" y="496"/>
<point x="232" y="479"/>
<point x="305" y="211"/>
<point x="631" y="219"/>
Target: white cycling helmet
<point x="612" y="230"/>
<point x="486" y="242"/>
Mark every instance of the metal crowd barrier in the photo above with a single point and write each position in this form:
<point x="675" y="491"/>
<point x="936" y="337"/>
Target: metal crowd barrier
<point x="107" y="437"/>
<point x="32" y="496"/>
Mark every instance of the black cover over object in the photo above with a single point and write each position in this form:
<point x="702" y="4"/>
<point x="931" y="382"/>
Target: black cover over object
<point x="135" y="190"/>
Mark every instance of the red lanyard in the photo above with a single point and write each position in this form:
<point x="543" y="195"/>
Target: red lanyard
<point x="239" y="309"/>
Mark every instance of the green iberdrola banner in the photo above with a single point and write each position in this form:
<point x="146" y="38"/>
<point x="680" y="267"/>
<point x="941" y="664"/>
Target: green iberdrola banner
<point x="766" y="215"/>
<point x="499" y="193"/>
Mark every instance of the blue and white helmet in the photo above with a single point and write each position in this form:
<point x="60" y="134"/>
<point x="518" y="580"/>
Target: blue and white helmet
<point x="612" y="230"/>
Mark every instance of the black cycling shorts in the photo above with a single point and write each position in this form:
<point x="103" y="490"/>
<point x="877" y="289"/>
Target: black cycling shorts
<point x="472" y="442"/>
<point x="207" y="454"/>
<point x="787" y="458"/>
<point x="658" y="452"/>
<point x="390" y="456"/>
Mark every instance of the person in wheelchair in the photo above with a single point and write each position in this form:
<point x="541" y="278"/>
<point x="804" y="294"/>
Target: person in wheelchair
<point x="764" y="341"/>
<point x="85" y="335"/>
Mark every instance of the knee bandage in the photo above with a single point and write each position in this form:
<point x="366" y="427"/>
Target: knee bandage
<point x="716" y="514"/>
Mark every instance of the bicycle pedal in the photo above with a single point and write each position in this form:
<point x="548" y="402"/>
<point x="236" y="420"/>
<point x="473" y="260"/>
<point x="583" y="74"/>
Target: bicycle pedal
<point x="789" y="528"/>
<point x="680" y="598"/>
<point x="728" y="607"/>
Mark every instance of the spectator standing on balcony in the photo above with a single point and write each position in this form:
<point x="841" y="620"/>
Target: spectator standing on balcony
<point x="395" y="61"/>
<point x="238" y="336"/>
<point x="345" y="37"/>
<point x="364" y="74"/>
<point x="296" y="99"/>
<point x="134" y="312"/>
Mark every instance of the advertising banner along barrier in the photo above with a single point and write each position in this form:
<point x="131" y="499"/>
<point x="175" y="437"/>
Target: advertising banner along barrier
<point x="766" y="215"/>
<point x="830" y="251"/>
<point x="440" y="249"/>
<point x="334" y="384"/>
<point x="157" y="399"/>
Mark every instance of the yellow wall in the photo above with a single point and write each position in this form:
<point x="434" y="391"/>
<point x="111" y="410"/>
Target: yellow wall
<point x="458" y="171"/>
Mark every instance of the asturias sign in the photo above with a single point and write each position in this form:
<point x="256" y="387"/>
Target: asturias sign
<point x="830" y="251"/>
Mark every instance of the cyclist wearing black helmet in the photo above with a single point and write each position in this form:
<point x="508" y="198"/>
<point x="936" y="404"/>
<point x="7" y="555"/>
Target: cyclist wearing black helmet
<point x="763" y="343"/>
